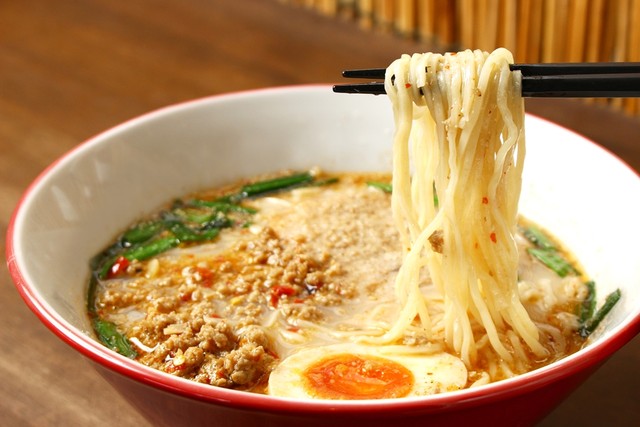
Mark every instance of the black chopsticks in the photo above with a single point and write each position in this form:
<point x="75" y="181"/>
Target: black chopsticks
<point x="553" y="80"/>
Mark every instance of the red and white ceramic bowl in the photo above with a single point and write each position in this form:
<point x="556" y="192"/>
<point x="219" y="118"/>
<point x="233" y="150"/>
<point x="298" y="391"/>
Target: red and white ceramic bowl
<point x="585" y="195"/>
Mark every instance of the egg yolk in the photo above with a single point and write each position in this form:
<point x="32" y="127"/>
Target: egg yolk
<point x="349" y="376"/>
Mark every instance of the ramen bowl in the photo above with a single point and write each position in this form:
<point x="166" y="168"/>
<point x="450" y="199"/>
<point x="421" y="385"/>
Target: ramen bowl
<point x="77" y="205"/>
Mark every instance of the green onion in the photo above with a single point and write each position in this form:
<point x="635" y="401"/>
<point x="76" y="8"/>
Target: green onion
<point x="103" y="270"/>
<point x="276" y="184"/>
<point x="270" y="186"/>
<point x="223" y="206"/>
<point x="590" y="325"/>
<point x="151" y="249"/>
<point x="553" y="260"/>
<point x="324" y="182"/>
<point x="588" y="306"/>
<point x="197" y="216"/>
<point x="538" y="238"/>
<point x="141" y="232"/>
<point x="546" y="251"/>
<point x="109" y="254"/>
<point x="220" y="221"/>
<point x="186" y="234"/>
<point x="112" y="338"/>
<point x="384" y="186"/>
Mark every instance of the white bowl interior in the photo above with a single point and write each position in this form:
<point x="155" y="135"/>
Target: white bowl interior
<point x="579" y="191"/>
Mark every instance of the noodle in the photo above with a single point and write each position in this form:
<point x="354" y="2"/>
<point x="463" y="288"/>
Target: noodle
<point x="460" y="135"/>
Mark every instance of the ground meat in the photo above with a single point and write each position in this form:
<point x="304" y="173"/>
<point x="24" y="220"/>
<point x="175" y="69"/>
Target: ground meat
<point x="217" y="337"/>
<point x="437" y="241"/>
<point x="292" y="312"/>
<point x="246" y="364"/>
<point x="204" y="315"/>
<point x="241" y="368"/>
<point x="186" y="362"/>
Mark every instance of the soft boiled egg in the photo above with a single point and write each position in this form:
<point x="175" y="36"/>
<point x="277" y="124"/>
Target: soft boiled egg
<point x="354" y="371"/>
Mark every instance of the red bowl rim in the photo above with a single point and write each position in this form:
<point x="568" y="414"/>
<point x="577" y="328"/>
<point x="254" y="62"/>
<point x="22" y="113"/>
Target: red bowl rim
<point x="594" y="354"/>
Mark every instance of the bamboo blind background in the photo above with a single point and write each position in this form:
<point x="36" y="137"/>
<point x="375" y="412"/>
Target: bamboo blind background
<point x="534" y="30"/>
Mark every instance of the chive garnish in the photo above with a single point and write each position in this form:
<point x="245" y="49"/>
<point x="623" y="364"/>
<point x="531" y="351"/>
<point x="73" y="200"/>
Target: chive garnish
<point x="112" y="338"/>
<point x="384" y="186"/>
<point x="275" y="184"/>
<point x="324" y="182"/>
<point x="141" y="232"/>
<point x="546" y="251"/>
<point x="538" y="238"/>
<point x="152" y="248"/>
<point x="223" y="206"/>
<point x="553" y="260"/>
<point x="590" y="325"/>
<point x="187" y="234"/>
<point x="588" y="306"/>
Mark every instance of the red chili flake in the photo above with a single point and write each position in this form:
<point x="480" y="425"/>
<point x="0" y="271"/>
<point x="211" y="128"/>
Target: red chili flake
<point x="171" y="368"/>
<point x="298" y="300"/>
<point x="493" y="237"/>
<point x="485" y="200"/>
<point x="278" y="291"/>
<point x="206" y="276"/>
<point x="118" y="267"/>
<point x="293" y="329"/>
<point x="407" y="85"/>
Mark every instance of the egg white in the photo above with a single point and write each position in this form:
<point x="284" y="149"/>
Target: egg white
<point x="433" y="372"/>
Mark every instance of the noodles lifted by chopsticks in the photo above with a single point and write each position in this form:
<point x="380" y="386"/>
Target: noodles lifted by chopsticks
<point x="460" y="140"/>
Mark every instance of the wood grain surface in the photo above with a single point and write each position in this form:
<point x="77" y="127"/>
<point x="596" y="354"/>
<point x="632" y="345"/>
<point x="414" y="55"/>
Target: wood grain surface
<point x="70" y="69"/>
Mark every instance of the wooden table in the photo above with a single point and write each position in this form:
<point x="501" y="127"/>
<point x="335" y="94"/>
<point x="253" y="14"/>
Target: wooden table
<point x="72" y="68"/>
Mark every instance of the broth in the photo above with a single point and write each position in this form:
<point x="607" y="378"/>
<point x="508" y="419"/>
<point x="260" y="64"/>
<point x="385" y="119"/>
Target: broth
<point x="311" y="266"/>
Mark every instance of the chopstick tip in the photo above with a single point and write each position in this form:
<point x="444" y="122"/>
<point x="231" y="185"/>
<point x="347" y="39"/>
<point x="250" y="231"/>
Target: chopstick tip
<point x="363" y="88"/>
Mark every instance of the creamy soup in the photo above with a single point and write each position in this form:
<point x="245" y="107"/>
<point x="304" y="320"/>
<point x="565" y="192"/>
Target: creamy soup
<point x="283" y="288"/>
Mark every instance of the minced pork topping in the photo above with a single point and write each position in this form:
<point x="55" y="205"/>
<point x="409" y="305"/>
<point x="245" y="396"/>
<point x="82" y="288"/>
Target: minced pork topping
<point x="209" y="312"/>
